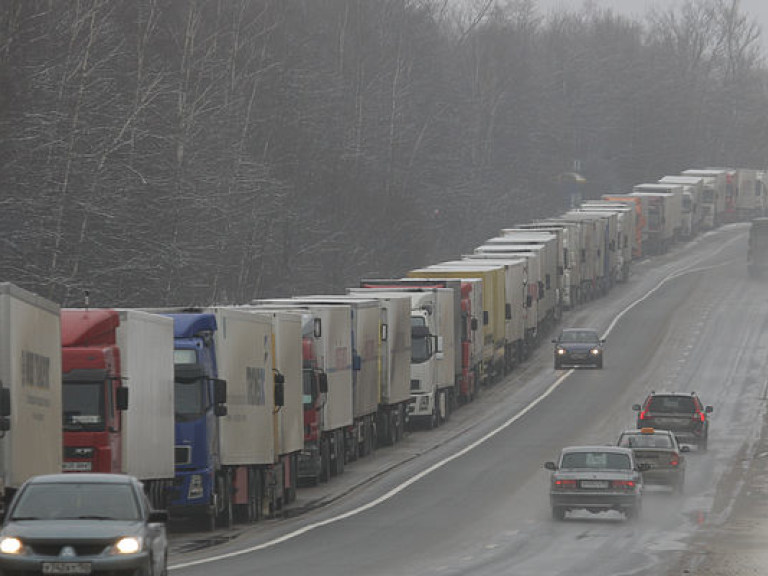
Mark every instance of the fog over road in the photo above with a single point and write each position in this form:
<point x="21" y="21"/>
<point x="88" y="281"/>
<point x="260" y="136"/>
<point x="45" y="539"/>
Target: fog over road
<point x="689" y="320"/>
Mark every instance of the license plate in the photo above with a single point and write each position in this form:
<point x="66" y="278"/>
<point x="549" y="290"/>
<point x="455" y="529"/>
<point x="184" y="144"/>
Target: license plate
<point x="76" y="466"/>
<point x="66" y="567"/>
<point x="594" y="484"/>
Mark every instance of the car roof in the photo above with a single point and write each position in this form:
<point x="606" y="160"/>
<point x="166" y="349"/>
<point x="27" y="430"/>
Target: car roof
<point x="655" y="431"/>
<point x="597" y="448"/>
<point x="87" y="478"/>
<point x="664" y="393"/>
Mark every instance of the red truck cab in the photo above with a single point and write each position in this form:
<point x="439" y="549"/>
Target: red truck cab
<point x="92" y="394"/>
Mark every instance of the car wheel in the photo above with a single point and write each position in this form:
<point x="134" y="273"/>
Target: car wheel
<point x="680" y="485"/>
<point x="703" y="444"/>
<point x="558" y="513"/>
<point x="632" y="513"/>
<point x="599" y="365"/>
<point x="557" y="365"/>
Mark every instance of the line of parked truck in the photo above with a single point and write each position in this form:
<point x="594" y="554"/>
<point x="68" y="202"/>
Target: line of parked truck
<point x="224" y="411"/>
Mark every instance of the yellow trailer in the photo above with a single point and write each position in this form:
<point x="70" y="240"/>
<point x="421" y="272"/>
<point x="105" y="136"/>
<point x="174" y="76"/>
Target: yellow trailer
<point x="492" y="321"/>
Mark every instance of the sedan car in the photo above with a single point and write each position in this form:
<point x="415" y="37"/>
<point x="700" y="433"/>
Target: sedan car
<point x="659" y="450"/>
<point x="680" y="412"/>
<point x="83" y="524"/>
<point x="596" y="479"/>
<point x="578" y="347"/>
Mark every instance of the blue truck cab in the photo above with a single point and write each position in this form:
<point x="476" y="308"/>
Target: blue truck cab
<point x="200" y="399"/>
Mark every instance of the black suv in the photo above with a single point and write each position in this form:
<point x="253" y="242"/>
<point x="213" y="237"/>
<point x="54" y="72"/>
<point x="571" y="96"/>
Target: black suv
<point x="680" y="412"/>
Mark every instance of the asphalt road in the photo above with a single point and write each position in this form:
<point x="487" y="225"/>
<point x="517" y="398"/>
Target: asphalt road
<point x="471" y="497"/>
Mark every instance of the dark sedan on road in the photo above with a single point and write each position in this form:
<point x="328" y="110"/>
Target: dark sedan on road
<point x="662" y="454"/>
<point x="596" y="479"/>
<point x="83" y="524"/>
<point x="578" y="347"/>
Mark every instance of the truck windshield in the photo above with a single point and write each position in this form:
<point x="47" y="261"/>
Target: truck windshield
<point x="189" y="399"/>
<point x="421" y="349"/>
<point x="83" y="405"/>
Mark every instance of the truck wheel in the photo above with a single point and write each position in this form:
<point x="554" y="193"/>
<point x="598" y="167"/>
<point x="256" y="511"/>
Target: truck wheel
<point x="341" y="454"/>
<point x="225" y="512"/>
<point x="325" y="461"/>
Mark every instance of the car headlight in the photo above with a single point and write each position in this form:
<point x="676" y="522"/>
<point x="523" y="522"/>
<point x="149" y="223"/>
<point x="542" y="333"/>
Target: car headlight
<point x="11" y="545"/>
<point x="560" y="351"/>
<point x="196" y="489"/>
<point x="595" y="351"/>
<point x="128" y="545"/>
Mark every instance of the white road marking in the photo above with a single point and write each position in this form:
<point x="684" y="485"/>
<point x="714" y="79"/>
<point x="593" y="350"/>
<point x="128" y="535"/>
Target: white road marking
<point x="437" y="465"/>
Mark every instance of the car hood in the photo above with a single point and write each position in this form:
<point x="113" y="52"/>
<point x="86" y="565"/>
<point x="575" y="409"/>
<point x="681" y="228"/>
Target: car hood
<point x="578" y="346"/>
<point x="72" y="529"/>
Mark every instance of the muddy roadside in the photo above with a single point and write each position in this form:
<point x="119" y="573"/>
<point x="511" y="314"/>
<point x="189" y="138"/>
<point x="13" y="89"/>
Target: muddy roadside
<point x="737" y="544"/>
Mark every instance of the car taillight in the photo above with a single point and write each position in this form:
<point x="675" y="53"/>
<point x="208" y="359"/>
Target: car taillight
<point x="566" y="483"/>
<point x="642" y="415"/>
<point x="699" y="416"/>
<point x="624" y="484"/>
<point x="674" y="460"/>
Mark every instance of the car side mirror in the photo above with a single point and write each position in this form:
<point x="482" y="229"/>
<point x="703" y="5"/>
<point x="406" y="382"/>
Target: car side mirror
<point x="685" y="448"/>
<point x="158" y="517"/>
<point x="636" y="407"/>
<point x="550" y="466"/>
<point x="709" y="409"/>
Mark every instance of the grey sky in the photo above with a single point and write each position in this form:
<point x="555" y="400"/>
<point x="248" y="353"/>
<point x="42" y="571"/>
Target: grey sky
<point x="757" y="8"/>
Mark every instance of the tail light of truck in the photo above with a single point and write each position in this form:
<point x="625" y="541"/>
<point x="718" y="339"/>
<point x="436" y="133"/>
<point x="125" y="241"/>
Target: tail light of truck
<point x="624" y="484"/>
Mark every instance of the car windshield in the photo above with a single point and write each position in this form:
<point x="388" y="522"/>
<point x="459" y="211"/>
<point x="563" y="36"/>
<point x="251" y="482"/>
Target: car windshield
<point x="579" y="336"/>
<point x="645" y="441"/>
<point x="77" y="500"/>
<point x="596" y="460"/>
<point x="672" y="404"/>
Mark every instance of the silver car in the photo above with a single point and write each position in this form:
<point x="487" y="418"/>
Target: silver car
<point x="83" y="524"/>
<point x="596" y="479"/>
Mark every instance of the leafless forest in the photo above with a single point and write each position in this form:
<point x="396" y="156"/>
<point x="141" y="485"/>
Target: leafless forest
<point x="165" y="152"/>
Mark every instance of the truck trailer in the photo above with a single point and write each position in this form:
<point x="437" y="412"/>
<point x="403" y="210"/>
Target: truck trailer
<point x="30" y="388"/>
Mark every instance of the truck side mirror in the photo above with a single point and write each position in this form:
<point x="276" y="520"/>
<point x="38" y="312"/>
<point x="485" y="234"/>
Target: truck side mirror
<point x="5" y="401"/>
<point x="121" y="398"/>
<point x="279" y="393"/>
<point x="357" y="362"/>
<point x="219" y="391"/>
<point x="219" y="410"/>
<point x="317" y="327"/>
<point x="485" y="318"/>
<point x="473" y="324"/>
<point x="528" y="301"/>
<point x="508" y="311"/>
<point x="384" y="332"/>
<point x="322" y="380"/>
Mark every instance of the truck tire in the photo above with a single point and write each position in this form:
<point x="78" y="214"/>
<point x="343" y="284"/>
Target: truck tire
<point x="325" y="461"/>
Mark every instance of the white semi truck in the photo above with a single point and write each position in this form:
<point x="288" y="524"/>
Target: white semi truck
<point x="30" y="392"/>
